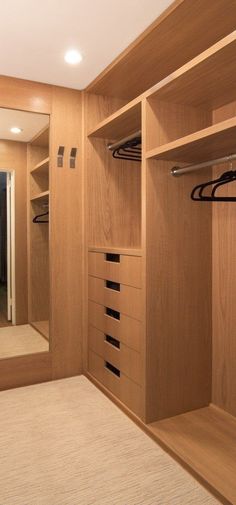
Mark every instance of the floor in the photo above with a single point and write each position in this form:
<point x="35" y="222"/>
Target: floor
<point x="21" y="340"/>
<point x="65" y="443"/>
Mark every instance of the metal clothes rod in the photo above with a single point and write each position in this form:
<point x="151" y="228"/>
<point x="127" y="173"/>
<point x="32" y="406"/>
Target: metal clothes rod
<point x="177" y="171"/>
<point x="114" y="146"/>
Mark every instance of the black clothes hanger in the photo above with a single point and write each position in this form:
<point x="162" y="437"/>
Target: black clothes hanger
<point x="225" y="178"/>
<point x="37" y="219"/>
<point x="130" y="150"/>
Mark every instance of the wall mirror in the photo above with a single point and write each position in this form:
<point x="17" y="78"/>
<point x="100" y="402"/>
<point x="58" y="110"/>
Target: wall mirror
<point x="24" y="233"/>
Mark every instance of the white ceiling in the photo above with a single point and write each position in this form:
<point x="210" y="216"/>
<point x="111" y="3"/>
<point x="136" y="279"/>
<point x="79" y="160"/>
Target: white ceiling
<point x="35" y="34"/>
<point x="31" y="124"/>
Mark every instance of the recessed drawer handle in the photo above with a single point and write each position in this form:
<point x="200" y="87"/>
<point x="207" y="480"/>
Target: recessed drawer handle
<point x="112" y="341"/>
<point x="113" y="285"/>
<point x="113" y="313"/>
<point x="112" y="368"/>
<point x="114" y="258"/>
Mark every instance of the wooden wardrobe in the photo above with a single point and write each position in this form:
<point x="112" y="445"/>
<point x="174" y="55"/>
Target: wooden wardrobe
<point x="160" y="267"/>
<point x="141" y="279"/>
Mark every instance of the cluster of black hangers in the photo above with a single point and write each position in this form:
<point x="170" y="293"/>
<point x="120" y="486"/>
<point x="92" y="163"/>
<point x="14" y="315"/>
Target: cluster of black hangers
<point x="129" y="149"/>
<point x="226" y="178"/>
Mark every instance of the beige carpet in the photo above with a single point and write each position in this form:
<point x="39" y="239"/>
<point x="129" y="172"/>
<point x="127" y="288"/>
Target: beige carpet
<point x="65" y="443"/>
<point x="21" y="340"/>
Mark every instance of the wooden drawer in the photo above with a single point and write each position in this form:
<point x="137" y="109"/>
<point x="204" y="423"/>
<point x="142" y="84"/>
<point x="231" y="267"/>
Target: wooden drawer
<point x="127" y="330"/>
<point x="112" y="350"/>
<point x="116" y="267"/>
<point x="127" y="301"/>
<point x="121" y="386"/>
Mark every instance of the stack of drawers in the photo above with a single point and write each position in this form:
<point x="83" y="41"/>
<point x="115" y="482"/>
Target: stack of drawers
<point x="115" y="325"/>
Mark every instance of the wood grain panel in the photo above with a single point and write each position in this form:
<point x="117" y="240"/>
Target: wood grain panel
<point x="213" y="142"/>
<point x="204" y="440"/>
<point x="25" y="370"/>
<point x="13" y="156"/>
<point x="125" y="359"/>
<point x="126" y="271"/>
<point x="100" y="107"/>
<point x="66" y="251"/>
<point x="201" y="82"/>
<point x="25" y="95"/>
<point x="224" y="290"/>
<point x="128" y="300"/>
<point x="127" y="330"/>
<point x="179" y="266"/>
<point x="166" y="122"/>
<point x="143" y="64"/>
<point x="114" y="192"/>
<point x="123" y="388"/>
<point x="122" y="123"/>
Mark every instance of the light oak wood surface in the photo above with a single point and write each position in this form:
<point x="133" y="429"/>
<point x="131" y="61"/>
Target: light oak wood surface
<point x="213" y="142"/>
<point x="208" y="81"/>
<point x="124" y="358"/>
<point x="25" y="95"/>
<point x="125" y="389"/>
<point x="126" y="329"/>
<point x="143" y="64"/>
<point x="205" y="439"/>
<point x="128" y="300"/>
<point x="179" y="276"/>
<point x="126" y="271"/>
<point x="223" y="289"/>
<point x="66" y="247"/>
<point x="122" y="123"/>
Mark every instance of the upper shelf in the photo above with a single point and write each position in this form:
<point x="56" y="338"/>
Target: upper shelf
<point x="41" y="139"/>
<point x="211" y="143"/>
<point x="161" y="49"/>
<point x="125" y="121"/>
<point x="209" y="80"/>
<point x="40" y="197"/>
<point x="41" y="168"/>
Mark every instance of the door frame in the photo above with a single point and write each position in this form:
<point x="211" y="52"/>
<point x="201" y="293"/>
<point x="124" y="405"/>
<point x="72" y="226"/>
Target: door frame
<point x="11" y="244"/>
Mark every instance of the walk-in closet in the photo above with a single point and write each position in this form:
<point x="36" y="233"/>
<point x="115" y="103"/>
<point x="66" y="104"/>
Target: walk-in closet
<point x="120" y="236"/>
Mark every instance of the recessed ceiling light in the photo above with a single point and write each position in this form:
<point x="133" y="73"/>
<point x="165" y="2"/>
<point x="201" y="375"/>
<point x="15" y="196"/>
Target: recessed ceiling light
<point x="16" y="129"/>
<point x="73" y="57"/>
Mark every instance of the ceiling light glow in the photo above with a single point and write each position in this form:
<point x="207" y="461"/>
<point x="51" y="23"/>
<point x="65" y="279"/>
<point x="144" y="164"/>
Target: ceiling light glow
<point x="16" y="129"/>
<point x="73" y="57"/>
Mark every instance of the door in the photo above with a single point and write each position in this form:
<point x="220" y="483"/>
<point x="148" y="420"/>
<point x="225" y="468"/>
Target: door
<point x="11" y="248"/>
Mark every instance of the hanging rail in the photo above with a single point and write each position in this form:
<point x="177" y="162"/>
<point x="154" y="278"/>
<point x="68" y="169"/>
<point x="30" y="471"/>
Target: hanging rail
<point x="177" y="171"/>
<point x="123" y="141"/>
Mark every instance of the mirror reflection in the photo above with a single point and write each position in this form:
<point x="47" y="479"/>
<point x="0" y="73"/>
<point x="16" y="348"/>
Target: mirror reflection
<point x="24" y="233"/>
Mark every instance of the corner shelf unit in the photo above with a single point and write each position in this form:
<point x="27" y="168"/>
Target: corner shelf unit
<point x="38" y="234"/>
<point x="213" y="142"/>
<point x="187" y="117"/>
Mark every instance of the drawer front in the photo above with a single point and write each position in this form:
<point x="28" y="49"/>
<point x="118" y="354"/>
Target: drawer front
<point x="116" y="267"/>
<point x="127" y="301"/>
<point x="126" y="330"/>
<point x="121" y="386"/>
<point x="112" y="350"/>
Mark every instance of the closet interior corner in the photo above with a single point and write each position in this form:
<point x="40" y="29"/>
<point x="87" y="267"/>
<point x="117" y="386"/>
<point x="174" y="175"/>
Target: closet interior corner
<point x="161" y="342"/>
<point x="38" y="231"/>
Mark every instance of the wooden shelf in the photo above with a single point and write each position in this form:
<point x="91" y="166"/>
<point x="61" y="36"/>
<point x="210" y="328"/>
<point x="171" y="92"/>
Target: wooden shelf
<point x="42" y="327"/>
<point x="209" y="80"/>
<point x="116" y="250"/>
<point x="210" y="143"/>
<point x="160" y="50"/>
<point x="205" y="441"/>
<point x="122" y="123"/>
<point x="41" y="139"/>
<point x="41" y="168"/>
<point x="44" y="196"/>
